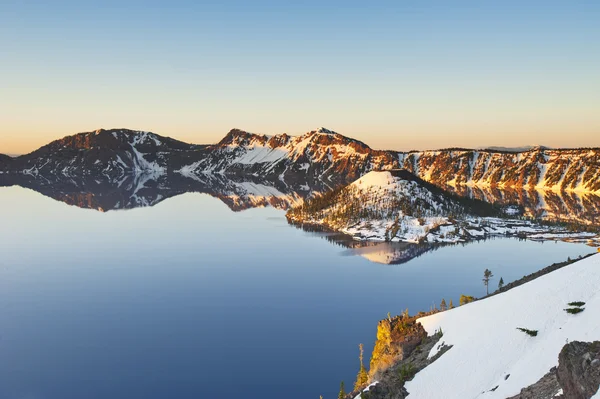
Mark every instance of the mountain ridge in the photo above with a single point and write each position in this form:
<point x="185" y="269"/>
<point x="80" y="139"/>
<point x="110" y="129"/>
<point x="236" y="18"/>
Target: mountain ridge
<point x="319" y="155"/>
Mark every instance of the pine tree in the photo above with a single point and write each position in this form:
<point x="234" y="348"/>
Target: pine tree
<point x="342" y="394"/>
<point x="451" y="305"/>
<point x="443" y="305"/>
<point x="500" y="283"/>
<point x="487" y="275"/>
<point x="362" y="378"/>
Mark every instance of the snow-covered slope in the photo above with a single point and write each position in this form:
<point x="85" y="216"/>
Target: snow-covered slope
<point x="487" y="349"/>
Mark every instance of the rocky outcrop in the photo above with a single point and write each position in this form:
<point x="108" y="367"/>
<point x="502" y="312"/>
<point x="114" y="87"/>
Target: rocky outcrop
<point x="576" y="377"/>
<point x="392" y="378"/>
<point x="578" y="370"/>
<point x="397" y="337"/>
<point x="546" y="388"/>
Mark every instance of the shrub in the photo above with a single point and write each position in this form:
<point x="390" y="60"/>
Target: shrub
<point x="532" y="333"/>
<point x="464" y="299"/>
<point x="574" y="310"/>
<point x="407" y="372"/>
<point x="578" y="304"/>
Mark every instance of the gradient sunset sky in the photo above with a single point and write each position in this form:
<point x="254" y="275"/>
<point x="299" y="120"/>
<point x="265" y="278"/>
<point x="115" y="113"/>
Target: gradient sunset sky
<point x="398" y="75"/>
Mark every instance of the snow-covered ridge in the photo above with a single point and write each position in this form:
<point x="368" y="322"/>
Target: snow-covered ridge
<point x="490" y="358"/>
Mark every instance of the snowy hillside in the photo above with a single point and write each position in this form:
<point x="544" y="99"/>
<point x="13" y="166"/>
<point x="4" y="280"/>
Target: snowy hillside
<point x="490" y="357"/>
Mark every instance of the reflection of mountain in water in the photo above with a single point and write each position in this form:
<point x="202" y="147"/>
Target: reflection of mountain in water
<point x="540" y="204"/>
<point x="143" y="190"/>
<point x="388" y="253"/>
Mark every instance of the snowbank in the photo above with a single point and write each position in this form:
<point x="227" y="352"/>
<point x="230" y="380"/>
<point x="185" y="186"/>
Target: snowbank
<point x="487" y="349"/>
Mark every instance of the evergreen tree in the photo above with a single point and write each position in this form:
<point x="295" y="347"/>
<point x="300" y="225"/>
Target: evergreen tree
<point x="451" y="305"/>
<point x="500" y="283"/>
<point x="443" y="305"/>
<point x="362" y="378"/>
<point x="342" y="394"/>
<point x="487" y="275"/>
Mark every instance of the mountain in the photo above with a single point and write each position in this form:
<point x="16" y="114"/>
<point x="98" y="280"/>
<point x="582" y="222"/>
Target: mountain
<point x="515" y="149"/>
<point x="319" y="156"/>
<point x="113" y="153"/>
<point x="559" y="170"/>
<point x="5" y="162"/>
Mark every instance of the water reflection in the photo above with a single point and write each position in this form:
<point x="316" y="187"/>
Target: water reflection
<point x="540" y="204"/>
<point x="134" y="191"/>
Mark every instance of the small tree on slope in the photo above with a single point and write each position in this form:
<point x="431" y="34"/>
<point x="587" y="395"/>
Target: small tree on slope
<point x="443" y="305"/>
<point x="342" y="394"/>
<point x="500" y="283"/>
<point x="362" y="378"/>
<point x="487" y="275"/>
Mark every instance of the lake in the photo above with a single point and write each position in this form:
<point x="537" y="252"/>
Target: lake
<point x="187" y="299"/>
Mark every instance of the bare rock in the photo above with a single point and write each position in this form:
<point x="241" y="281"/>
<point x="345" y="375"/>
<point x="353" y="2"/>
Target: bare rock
<point x="578" y="369"/>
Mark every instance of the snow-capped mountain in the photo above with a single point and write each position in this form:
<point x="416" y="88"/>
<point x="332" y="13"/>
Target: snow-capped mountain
<point x="114" y="153"/>
<point x="320" y="155"/>
<point x="317" y="155"/>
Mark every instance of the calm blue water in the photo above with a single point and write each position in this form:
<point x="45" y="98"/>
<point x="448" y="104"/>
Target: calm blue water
<point x="190" y="300"/>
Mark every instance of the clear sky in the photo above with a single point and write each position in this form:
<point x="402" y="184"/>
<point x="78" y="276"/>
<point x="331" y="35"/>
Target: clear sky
<point x="395" y="74"/>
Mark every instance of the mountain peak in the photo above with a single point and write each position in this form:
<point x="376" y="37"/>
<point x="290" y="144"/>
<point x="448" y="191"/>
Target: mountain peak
<point x="323" y="130"/>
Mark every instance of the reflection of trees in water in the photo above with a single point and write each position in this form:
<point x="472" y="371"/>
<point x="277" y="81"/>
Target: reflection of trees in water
<point x="540" y="204"/>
